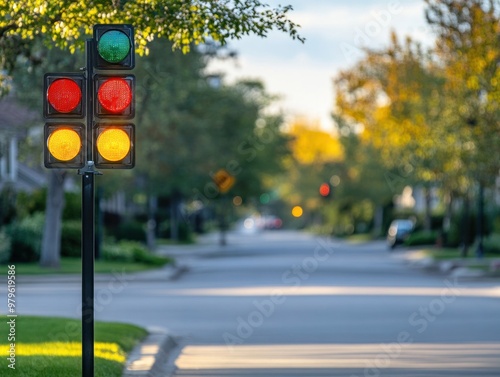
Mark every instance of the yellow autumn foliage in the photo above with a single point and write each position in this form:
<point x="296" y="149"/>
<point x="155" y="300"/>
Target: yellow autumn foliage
<point x="312" y="145"/>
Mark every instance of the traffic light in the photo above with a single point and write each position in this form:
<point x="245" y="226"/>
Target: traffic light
<point x="114" y="146"/>
<point x="114" y="45"/>
<point x="63" y="106"/>
<point x="114" y="97"/>
<point x="325" y="190"/>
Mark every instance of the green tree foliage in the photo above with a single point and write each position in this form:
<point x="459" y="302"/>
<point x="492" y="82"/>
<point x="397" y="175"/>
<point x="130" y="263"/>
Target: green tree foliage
<point x="468" y="34"/>
<point x="66" y="23"/>
<point x="27" y="25"/>
<point x="432" y="117"/>
<point x="191" y="129"/>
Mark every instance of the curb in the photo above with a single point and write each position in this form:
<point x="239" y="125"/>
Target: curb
<point x="149" y="358"/>
<point x="168" y="273"/>
<point x="452" y="268"/>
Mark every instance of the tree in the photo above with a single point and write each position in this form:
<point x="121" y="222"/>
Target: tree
<point x="315" y="155"/>
<point x="66" y="23"/>
<point x="395" y="98"/>
<point x="468" y="46"/>
<point x="192" y="129"/>
<point x="432" y="115"/>
<point x="28" y="82"/>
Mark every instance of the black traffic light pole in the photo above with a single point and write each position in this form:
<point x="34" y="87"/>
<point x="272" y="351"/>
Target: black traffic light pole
<point x="88" y="226"/>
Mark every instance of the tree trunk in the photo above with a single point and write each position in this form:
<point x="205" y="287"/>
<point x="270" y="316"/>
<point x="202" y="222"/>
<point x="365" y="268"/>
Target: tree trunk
<point x="151" y="225"/>
<point x="465" y="228"/>
<point x="427" y="218"/>
<point x="174" y="225"/>
<point x="222" y="221"/>
<point x="51" y="242"/>
<point x="378" y="221"/>
<point x="446" y="226"/>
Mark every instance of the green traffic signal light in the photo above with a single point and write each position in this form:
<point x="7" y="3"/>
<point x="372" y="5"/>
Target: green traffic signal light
<point x="114" y="46"/>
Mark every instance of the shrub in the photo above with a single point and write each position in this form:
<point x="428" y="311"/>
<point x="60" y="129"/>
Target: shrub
<point x="143" y="255"/>
<point x="422" y="238"/>
<point x="131" y="230"/>
<point x="27" y="204"/>
<point x="491" y="243"/>
<point x="185" y="233"/>
<point x="7" y="205"/>
<point x="116" y="252"/>
<point x="72" y="206"/>
<point x="5" y="246"/>
<point x="130" y="251"/>
<point x="26" y="238"/>
<point x="71" y="239"/>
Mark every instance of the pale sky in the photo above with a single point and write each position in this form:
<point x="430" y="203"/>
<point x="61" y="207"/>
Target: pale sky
<point x="335" y="30"/>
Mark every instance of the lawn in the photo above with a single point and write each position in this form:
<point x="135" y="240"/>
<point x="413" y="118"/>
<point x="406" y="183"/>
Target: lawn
<point x="51" y="347"/>
<point x="438" y="253"/>
<point x="74" y="266"/>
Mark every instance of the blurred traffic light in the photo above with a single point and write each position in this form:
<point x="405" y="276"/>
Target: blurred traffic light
<point x="63" y="105"/>
<point x="325" y="190"/>
<point x="114" y="97"/>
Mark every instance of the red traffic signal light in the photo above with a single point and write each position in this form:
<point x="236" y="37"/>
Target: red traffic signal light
<point x="324" y="190"/>
<point x="114" y="146"/>
<point x="63" y="95"/>
<point x="114" y="47"/>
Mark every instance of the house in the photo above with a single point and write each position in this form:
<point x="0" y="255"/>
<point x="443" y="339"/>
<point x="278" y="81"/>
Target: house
<point x="15" y="121"/>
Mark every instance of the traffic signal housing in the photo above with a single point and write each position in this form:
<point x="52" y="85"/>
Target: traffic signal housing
<point x="114" y="146"/>
<point x="114" y="47"/>
<point x="63" y="106"/>
<point x="114" y="97"/>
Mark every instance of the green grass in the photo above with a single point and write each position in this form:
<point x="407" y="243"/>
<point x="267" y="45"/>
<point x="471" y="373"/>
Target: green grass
<point x="454" y="253"/>
<point x="51" y="347"/>
<point x="167" y="241"/>
<point x="74" y="266"/>
<point x="359" y="238"/>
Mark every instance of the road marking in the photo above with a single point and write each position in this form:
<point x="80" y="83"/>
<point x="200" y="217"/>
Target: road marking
<point x="423" y="356"/>
<point x="493" y="292"/>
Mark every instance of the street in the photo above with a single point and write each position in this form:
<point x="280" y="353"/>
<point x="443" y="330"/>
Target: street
<point x="284" y="303"/>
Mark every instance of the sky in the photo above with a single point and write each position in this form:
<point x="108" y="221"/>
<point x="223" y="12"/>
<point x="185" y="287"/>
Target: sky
<point x="301" y="74"/>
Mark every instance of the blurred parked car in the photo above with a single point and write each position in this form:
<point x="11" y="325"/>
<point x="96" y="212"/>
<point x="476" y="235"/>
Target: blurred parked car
<point x="272" y="222"/>
<point x="398" y="232"/>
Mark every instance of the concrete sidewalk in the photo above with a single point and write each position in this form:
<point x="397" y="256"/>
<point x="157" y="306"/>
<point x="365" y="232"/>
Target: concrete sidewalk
<point x="151" y="357"/>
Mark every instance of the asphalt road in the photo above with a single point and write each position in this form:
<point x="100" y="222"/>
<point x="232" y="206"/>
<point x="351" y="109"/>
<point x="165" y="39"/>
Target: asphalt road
<point x="288" y="304"/>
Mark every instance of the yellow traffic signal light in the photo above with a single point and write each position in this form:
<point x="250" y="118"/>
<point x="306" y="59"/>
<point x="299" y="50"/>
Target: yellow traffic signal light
<point x="63" y="148"/>
<point x="114" y="146"/>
